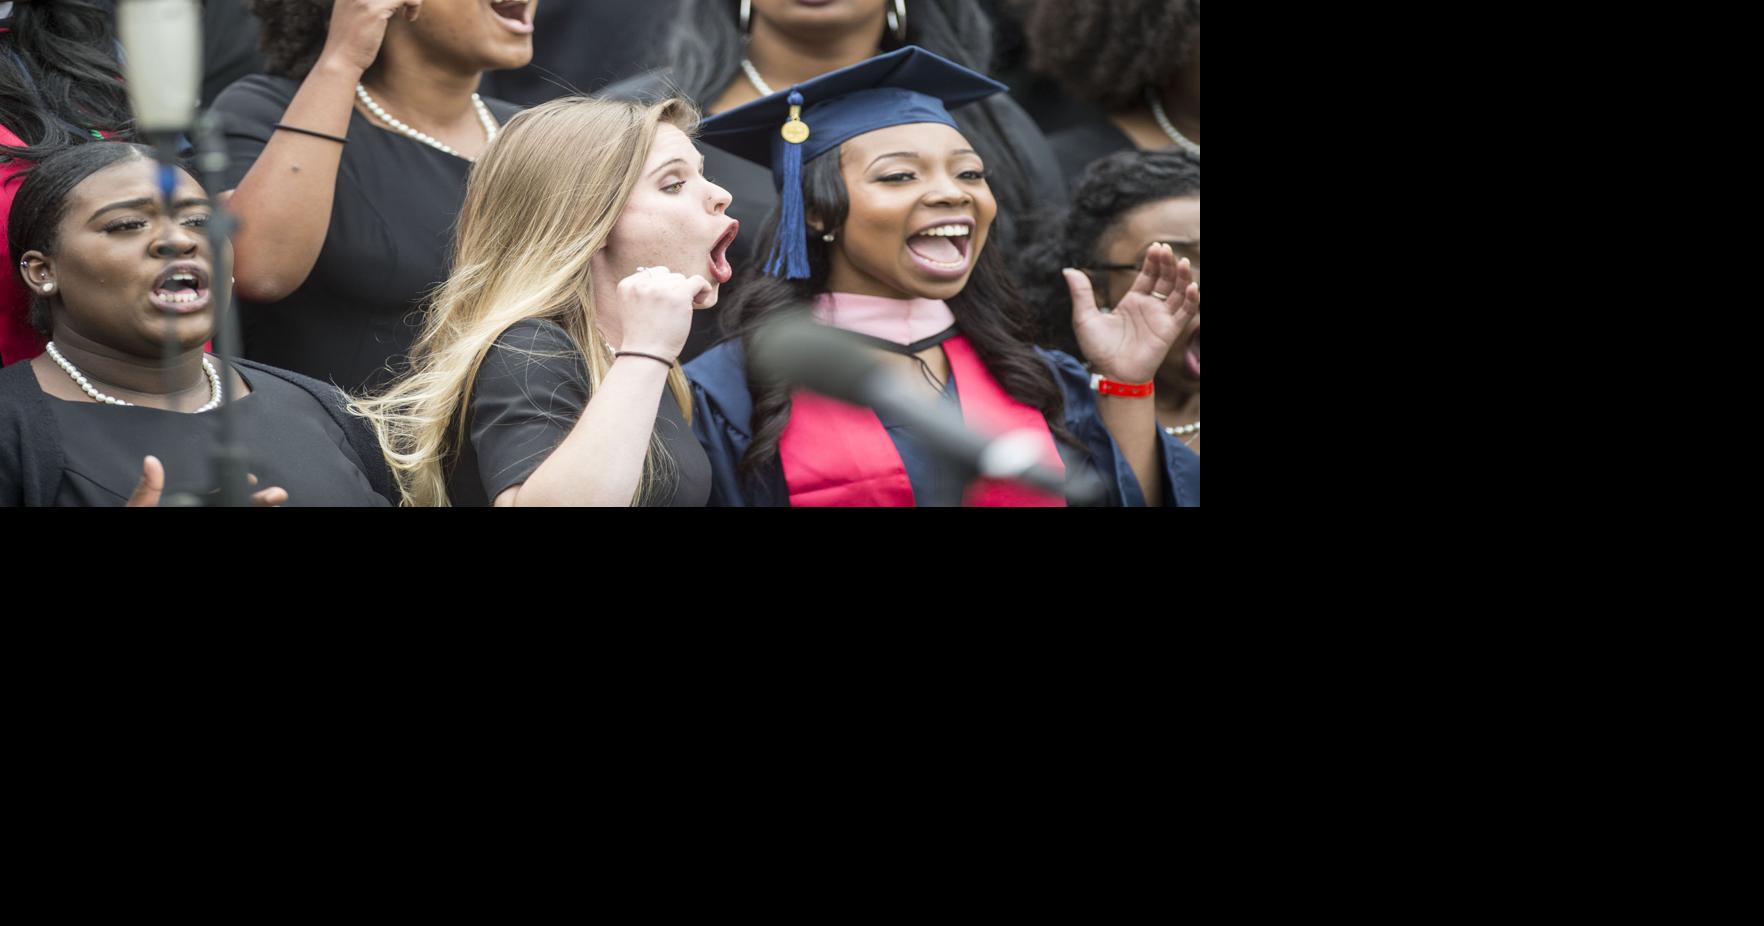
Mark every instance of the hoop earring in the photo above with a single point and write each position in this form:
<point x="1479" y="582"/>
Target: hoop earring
<point x="896" y="20"/>
<point x="746" y="16"/>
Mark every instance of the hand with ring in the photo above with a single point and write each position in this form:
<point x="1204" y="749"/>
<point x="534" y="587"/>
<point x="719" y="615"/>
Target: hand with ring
<point x="1128" y="344"/>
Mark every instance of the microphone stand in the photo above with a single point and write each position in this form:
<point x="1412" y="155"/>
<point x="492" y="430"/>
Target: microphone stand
<point x="162" y="116"/>
<point x="229" y="460"/>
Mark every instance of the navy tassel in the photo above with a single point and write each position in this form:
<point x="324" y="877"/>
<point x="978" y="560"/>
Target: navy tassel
<point x="790" y="250"/>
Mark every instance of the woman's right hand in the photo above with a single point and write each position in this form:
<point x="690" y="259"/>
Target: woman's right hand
<point x="152" y="485"/>
<point x="654" y="310"/>
<point x="359" y="26"/>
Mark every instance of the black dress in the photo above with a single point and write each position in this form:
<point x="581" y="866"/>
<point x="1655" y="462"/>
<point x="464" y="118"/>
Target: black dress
<point x="229" y="46"/>
<point x="582" y="47"/>
<point x="54" y="452"/>
<point x="1084" y="140"/>
<point x="353" y="320"/>
<point x="531" y="390"/>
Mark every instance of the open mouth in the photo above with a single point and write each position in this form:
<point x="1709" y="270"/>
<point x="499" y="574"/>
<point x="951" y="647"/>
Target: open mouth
<point x="719" y="254"/>
<point x="516" y="15"/>
<point x="181" y="288"/>
<point x="943" y="248"/>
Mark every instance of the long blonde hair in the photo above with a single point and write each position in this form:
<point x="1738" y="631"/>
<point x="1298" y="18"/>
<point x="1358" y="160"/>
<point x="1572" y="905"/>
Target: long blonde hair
<point x="540" y="202"/>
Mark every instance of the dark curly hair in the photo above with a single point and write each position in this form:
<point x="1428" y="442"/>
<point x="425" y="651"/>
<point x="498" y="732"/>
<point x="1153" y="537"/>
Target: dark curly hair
<point x="992" y="317"/>
<point x="1108" y="188"/>
<point x="292" y="35"/>
<point x="59" y="77"/>
<point x="1107" y="52"/>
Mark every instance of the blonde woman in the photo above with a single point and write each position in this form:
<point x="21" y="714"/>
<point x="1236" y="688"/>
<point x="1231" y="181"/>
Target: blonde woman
<point x="547" y="373"/>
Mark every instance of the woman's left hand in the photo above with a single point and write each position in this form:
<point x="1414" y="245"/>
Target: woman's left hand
<point x="1129" y="344"/>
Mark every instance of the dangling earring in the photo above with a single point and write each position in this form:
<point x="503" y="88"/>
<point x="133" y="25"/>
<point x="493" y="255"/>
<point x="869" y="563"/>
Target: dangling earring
<point x="746" y="16"/>
<point x="896" y="20"/>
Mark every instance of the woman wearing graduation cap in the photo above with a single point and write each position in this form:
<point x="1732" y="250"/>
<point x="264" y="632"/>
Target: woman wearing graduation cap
<point x="722" y="54"/>
<point x="883" y="232"/>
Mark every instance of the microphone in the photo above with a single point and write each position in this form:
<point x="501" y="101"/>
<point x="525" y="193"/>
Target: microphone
<point x="162" y="65"/>
<point x="825" y="360"/>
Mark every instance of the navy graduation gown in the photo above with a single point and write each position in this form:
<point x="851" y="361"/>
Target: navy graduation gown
<point x="723" y="413"/>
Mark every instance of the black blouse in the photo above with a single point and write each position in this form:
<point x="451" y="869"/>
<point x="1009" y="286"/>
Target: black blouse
<point x="292" y="441"/>
<point x="353" y="320"/>
<point x="531" y="390"/>
<point x="1085" y="140"/>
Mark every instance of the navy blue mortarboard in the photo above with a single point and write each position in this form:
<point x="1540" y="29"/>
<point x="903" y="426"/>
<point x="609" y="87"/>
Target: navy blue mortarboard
<point x="791" y="127"/>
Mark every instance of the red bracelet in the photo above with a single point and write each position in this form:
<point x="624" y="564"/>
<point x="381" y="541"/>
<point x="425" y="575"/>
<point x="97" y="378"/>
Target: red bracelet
<point x="1110" y="387"/>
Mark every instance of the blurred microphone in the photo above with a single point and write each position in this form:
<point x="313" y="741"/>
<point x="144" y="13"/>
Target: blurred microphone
<point x="162" y="51"/>
<point x="827" y="361"/>
<point x="162" y="64"/>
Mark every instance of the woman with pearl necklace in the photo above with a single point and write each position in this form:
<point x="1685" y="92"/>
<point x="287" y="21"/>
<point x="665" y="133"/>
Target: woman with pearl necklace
<point x="119" y="407"/>
<point x="350" y="159"/>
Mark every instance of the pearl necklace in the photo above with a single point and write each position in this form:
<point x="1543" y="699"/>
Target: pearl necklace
<point x="753" y="77"/>
<point x="1169" y="128"/>
<point x="214" y="382"/>
<point x="1180" y="430"/>
<point x="484" y="119"/>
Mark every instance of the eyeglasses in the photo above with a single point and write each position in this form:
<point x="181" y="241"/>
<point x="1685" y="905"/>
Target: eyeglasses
<point x="1100" y="272"/>
<point x="1188" y="249"/>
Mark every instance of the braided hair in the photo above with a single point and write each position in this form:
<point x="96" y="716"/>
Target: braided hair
<point x="60" y="80"/>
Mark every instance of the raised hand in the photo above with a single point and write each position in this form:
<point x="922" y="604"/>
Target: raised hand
<point x="654" y="309"/>
<point x="359" y="26"/>
<point x="1129" y="343"/>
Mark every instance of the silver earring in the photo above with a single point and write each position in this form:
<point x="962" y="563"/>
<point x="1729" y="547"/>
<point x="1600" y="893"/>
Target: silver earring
<point x="746" y="16"/>
<point x="828" y="237"/>
<point x="897" y="21"/>
<point x="48" y="288"/>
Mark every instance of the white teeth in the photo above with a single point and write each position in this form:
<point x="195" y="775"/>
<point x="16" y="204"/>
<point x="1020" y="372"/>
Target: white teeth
<point x="947" y="231"/>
